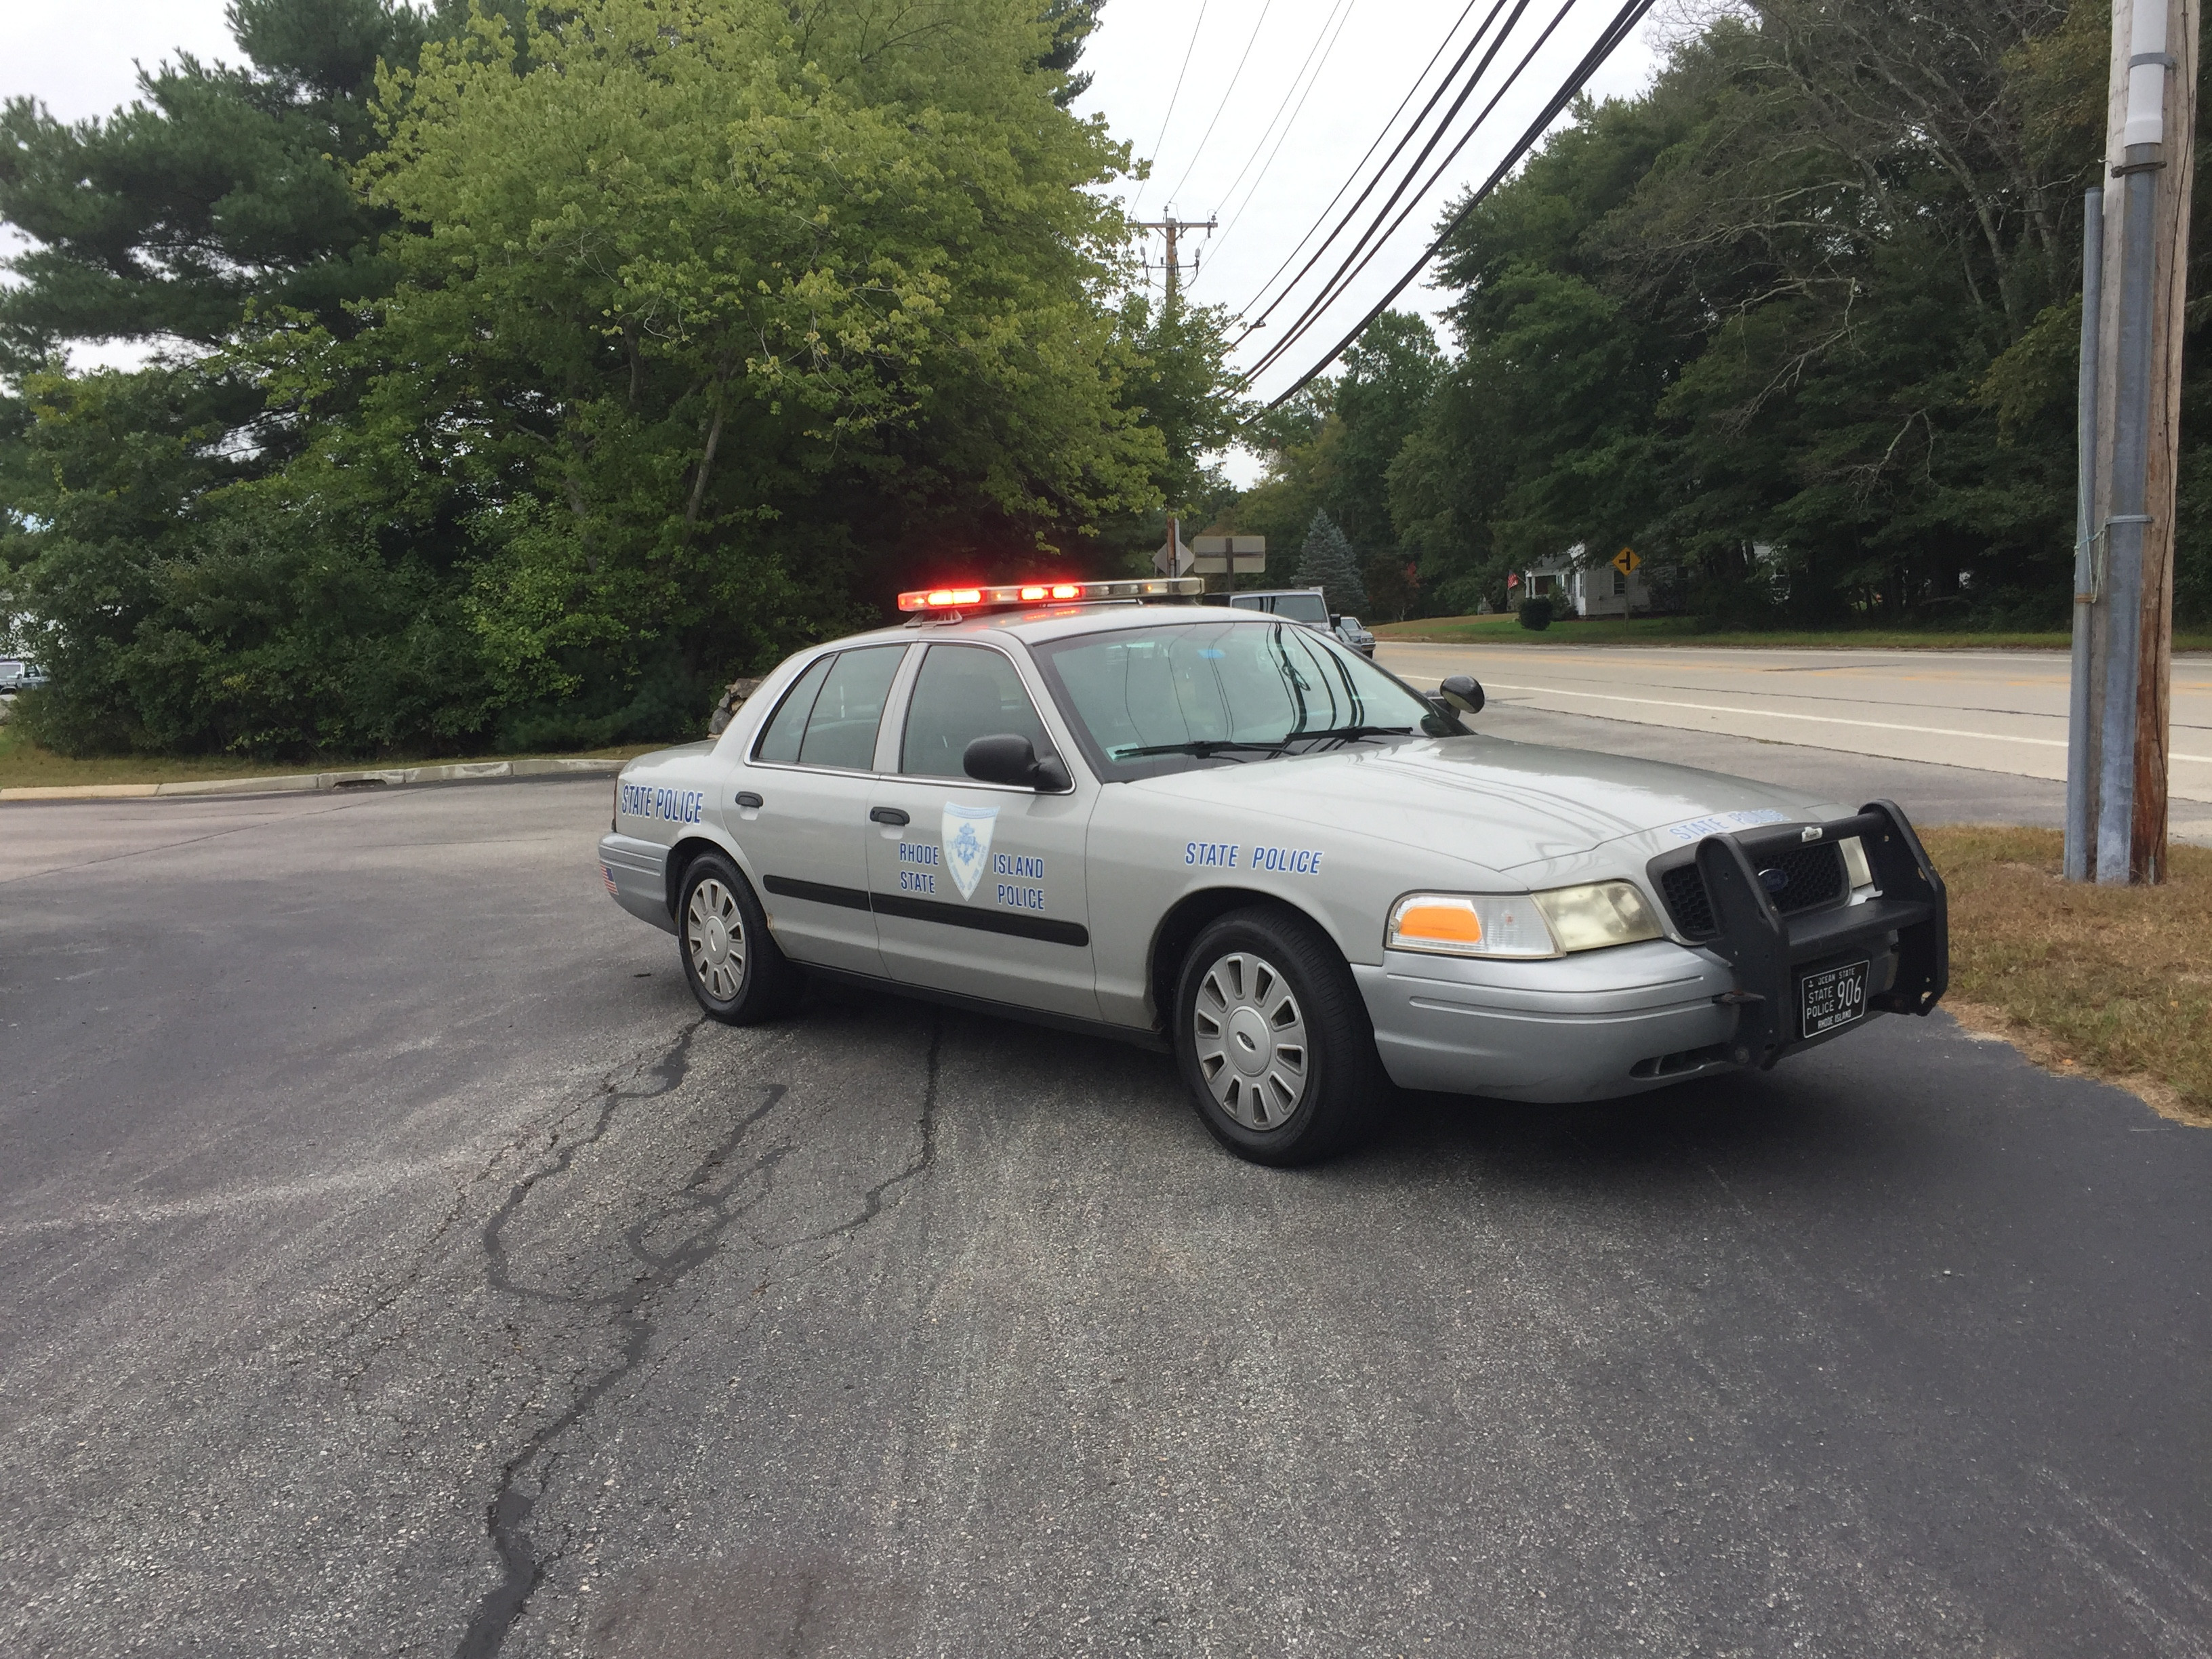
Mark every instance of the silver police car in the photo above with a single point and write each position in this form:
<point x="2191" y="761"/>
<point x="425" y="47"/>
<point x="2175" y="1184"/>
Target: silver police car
<point x="1102" y="806"/>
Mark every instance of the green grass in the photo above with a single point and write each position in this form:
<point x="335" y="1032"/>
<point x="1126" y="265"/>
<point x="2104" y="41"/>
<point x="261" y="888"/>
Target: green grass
<point x="24" y="765"/>
<point x="1505" y="629"/>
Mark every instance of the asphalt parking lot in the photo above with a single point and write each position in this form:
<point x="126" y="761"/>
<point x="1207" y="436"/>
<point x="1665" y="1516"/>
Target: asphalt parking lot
<point x="392" y="1261"/>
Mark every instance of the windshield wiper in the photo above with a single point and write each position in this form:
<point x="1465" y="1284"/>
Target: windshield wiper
<point x="1350" y="733"/>
<point x="1208" y="748"/>
<point x="1204" y="748"/>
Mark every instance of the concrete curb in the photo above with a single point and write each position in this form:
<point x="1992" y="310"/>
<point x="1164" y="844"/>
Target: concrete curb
<point x="466" y="772"/>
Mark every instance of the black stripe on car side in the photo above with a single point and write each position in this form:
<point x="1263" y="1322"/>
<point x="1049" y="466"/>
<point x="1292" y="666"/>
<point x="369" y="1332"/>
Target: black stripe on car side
<point x="988" y="921"/>
<point x="820" y="892"/>
<point x="914" y="909"/>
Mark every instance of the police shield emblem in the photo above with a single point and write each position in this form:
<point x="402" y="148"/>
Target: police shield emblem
<point x="966" y="832"/>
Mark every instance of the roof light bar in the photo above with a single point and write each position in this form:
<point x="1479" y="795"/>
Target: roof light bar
<point x="956" y="598"/>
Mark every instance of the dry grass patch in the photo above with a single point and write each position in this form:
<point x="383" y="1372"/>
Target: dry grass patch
<point x="2115" y="982"/>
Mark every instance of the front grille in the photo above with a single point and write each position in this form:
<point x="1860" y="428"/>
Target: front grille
<point x="1812" y="875"/>
<point x="1685" y="892"/>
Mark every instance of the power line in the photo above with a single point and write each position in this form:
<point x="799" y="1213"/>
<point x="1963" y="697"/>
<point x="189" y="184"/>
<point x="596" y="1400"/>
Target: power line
<point x="1307" y="318"/>
<point x="1195" y="27"/>
<point x="1222" y="102"/>
<point x="1356" y="166"/>
<point x="1631" y="14"/>
<point x="1344" y="8"/>
<point x="1398" y="148"/>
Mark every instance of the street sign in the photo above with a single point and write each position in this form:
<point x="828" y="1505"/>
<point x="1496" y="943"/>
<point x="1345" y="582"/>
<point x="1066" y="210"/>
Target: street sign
<point x="1172" y="557"/>
<point x="1626" y="561"/>
<point x="1241" y="556"/>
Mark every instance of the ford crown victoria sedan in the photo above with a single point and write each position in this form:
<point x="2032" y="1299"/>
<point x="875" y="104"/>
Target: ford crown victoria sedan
<point x="1220" y="833"/>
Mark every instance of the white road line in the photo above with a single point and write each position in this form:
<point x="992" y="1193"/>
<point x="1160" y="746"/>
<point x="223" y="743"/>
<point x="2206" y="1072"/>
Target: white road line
<point x="1820" y="720"/>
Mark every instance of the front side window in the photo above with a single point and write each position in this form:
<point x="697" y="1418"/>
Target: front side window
<point x="1163" y="699"/>
<point x="962" y="693"/>
<point x="829" y="717"/>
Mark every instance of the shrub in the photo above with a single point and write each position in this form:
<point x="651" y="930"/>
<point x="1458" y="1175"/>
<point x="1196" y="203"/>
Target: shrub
<point x="1536" y="614"/>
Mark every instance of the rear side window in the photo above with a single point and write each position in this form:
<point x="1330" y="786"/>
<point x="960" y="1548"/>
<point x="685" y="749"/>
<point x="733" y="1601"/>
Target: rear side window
<point x="962" y="693"/>
<point x="840" y="731"/>
<point x="829" y="717"/>
<point x="779" y="742"/>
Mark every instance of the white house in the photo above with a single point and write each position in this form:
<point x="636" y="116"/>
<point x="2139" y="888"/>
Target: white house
<point x="1595" y="590"/>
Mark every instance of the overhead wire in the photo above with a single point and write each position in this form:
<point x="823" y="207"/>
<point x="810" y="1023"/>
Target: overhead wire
<point x="1399" y="148"/>
<point x="1631" y="14"/>
<point x="1339" y="14"/>
<point x="1198" y="24"/>
<point x="1222" y="102"/>
<point x="1373" y="239"/>
<point x="1384" y="132"/>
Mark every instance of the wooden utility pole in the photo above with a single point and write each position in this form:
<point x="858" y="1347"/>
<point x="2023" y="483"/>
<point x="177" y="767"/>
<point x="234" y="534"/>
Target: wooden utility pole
<point x="1172" y="229"/>
<point x="2117" y="818"/>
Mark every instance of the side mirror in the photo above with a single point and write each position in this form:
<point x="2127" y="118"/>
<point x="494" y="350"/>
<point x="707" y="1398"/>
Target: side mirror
<point x="1463" y="692"/>
<point x="1009" y="758"/>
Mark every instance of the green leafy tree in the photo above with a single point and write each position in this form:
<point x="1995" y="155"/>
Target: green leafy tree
<point x="1327" y="563"/>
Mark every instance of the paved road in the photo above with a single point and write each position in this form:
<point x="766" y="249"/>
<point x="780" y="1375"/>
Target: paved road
<point x="391" y="1262"/>
<point x="1995" y="711"/>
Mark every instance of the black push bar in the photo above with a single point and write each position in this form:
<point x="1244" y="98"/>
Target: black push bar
<point x="1764" y="947"/>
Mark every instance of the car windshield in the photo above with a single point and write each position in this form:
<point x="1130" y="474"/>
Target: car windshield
<point x="1161" y="699"/>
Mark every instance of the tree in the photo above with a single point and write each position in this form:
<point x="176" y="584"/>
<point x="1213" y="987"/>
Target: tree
<point x="710" y="325"/>
<point x="1327" y="563"/>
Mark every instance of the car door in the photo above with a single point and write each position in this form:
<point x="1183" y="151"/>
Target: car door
<point x="800" y="807"/>
<point x="979" y="887"/>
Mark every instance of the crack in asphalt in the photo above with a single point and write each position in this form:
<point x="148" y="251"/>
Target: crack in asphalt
<point x="709" y="1198"/>
<point x="924" y="1159"/>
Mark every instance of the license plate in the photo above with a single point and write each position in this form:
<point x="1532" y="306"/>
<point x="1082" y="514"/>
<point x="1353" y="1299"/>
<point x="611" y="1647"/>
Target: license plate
<point x="1832" y="998"/>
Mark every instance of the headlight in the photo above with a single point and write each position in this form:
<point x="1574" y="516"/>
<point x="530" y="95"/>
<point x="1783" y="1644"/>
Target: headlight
<point x="1522" y="925"/>
<point x="1470" y="925"/>
<point x="1603" y="913"/>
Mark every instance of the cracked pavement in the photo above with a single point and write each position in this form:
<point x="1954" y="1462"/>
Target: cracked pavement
<point x="392" y="1261"/>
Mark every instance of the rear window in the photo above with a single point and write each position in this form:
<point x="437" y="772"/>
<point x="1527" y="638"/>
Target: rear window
<point x="1308" y="608"/>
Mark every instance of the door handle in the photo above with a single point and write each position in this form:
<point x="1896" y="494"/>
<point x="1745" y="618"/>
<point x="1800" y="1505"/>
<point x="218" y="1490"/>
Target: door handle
<point x="888" y="815"/>
<point x="746" y="798"/>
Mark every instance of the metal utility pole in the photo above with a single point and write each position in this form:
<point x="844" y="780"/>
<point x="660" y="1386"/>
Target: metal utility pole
<point x="1172" y="229"/>
<point x="2137" y="237"/>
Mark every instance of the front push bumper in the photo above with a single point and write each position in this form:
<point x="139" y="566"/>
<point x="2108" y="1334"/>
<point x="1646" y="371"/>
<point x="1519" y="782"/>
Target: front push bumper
<point x="1602" y="1024"/>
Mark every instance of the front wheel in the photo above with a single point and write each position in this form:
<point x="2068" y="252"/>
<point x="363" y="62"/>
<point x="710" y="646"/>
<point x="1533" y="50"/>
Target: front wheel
<point x="731" y="963"/>
<point x="1273" y="1040"/>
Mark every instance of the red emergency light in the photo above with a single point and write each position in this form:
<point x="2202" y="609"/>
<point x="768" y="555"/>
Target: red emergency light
<point x="969" y="598"/>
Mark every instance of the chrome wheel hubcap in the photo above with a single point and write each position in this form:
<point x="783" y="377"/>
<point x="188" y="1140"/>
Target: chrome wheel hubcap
<point x="1250" y="1035"/>
<point x="714" y="935"/>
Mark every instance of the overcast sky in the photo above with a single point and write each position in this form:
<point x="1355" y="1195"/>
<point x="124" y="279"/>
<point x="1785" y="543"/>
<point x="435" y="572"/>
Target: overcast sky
<point x="1279" y="99"/>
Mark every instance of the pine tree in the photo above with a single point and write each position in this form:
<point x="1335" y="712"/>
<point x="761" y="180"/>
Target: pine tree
<point x="1327" y="563"/>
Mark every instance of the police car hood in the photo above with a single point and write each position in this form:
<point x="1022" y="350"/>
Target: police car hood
<point x="1490" y="800"/>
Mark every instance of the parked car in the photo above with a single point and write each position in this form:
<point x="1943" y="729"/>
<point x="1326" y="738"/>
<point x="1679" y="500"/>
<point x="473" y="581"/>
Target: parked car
<point x="1349" y="629"/>
<point x="1308" y="607"/>
<point x="1228" y="837"/>
<point x="18" y="675"/>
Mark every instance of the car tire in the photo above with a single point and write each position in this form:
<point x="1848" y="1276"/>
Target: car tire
<point x="1273" y="1040"/>
<point x="730" y="960"/>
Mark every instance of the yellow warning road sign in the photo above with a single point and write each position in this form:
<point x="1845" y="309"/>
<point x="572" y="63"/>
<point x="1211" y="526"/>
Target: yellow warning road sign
<point x="1626" y="561"/>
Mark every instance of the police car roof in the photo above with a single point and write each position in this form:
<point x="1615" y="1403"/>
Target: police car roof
<point x="1035" y="624"/>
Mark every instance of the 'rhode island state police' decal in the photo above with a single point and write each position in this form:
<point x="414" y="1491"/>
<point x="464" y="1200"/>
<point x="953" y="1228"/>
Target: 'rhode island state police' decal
<point x="966" y="832"/>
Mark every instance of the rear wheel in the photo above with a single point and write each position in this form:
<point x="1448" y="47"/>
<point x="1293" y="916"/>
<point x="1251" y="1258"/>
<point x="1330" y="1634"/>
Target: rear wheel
<point x="731" y="963"/>
<point x="1273" y="1040"/>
